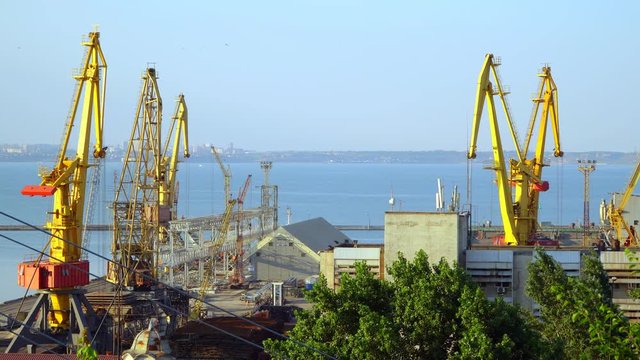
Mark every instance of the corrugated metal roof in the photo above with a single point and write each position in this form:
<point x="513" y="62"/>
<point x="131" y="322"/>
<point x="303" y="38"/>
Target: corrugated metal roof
<point x="316" y="233"/>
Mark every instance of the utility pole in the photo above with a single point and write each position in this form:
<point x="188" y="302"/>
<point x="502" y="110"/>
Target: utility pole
<point x="586" y="167"/>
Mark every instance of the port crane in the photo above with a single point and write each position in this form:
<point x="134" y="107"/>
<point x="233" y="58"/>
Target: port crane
<point x="217" y="242"/>
<point x="59" y="279"/>
<point x="238" y="272"/>
<point x="615" y="213"/>
<point x="226" y="172"/>
<point x="519" y="213"/>
<point x="146" y="195"/>
<point x="168" y="192"/>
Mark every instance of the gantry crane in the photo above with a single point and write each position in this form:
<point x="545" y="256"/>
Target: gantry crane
<point x="146" y="195"/>
<point x="238" y="272"/>
<point x="226" y="172"/>
<point x="59" y="279"/>
<point x="614" y="213"/>
<point x="519" y="215"/>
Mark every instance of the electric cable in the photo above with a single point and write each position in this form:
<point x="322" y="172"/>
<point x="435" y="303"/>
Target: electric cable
<point x="14" y="321"/>
<point x="152" y="300"/>
<point x="180" y="291"/>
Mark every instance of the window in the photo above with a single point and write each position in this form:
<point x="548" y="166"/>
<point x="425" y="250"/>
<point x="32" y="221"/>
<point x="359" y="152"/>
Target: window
<point x="303" y="254"/>
<point x="290" y="243"/>
<point x="270" y="243"/>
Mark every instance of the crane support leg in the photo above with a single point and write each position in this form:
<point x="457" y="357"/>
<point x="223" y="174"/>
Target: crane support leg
<point x="83" y="322"/>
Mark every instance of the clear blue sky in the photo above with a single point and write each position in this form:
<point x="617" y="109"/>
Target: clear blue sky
<point x="327" y="75"/>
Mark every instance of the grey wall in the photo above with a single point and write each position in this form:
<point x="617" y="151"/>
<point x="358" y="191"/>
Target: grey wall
<point x="281" y="260"/>
<point x="439" y="234"/>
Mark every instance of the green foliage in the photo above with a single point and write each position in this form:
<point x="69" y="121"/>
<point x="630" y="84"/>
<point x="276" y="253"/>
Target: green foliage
<point x="427" y="312"/>
<point x="634" y="259"/>
<point x="578" y="314"/>
<point x="86" y="351"/>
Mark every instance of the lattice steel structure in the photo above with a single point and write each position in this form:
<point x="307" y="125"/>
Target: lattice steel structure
<point x="146" y="196"/>
<point x="195" y="243"/>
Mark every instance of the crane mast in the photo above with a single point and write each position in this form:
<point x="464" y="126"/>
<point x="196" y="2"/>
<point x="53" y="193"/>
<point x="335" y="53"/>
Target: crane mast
<point x="146" y="193"/>
<point x="519" y="215"/>
<point x="58" y="278"/>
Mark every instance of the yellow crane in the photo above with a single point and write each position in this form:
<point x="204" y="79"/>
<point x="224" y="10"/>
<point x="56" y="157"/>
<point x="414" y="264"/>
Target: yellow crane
<point x="519" y="215"/>
<point x="168" y="195"/>
<point x="217" y="242"/>
<point x="226" y="171"/>
<point x="238" y="272"/>
<point x="146" y="194"/>
<point x="59" y="278"/>
<point x="615" y="213"/>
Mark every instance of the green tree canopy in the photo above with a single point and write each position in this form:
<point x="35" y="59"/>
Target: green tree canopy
<point x="578" y="316"/>
<point x="426" y="312"/>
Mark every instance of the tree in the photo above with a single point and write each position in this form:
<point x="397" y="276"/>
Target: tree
<point x="86" y="351"/>
<point x="433" y="312"/>
<point x="578" y="315"/>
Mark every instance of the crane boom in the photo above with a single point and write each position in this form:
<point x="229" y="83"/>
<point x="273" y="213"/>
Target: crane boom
<point x="243" y="192"/>
<point x="529" y="171"/>
<point x="179" y="121"/>
<point x="486" y="92"/>
<point x="226" y="172"/>
<point x="238" y="272"/>
<point x="67" y="183"/>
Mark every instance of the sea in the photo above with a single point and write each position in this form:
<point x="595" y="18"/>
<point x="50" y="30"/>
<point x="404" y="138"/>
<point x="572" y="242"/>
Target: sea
<point x="342" y="193"/>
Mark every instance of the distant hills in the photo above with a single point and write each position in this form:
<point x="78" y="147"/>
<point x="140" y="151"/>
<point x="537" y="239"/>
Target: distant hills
<point x="202" y="153"/>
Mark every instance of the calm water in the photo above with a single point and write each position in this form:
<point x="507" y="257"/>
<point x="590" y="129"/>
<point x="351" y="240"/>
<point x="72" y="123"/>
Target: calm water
<point x="341" y="193"/>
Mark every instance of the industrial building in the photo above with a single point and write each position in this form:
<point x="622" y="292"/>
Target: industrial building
<point x="499" y="271"/>
<point x="341" y="259"/>
<point x="291" y="251"/>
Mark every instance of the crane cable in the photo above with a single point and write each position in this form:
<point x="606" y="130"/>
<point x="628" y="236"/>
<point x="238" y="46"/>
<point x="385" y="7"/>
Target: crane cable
<point x="180" y="291"/>
<point x="99" y="277"/>
<point x="16" y="321"/>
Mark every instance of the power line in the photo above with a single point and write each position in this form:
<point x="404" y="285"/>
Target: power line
<point x="180" y="291"/>
<point x="153" y="300"/>
<point x="16" y="321"/>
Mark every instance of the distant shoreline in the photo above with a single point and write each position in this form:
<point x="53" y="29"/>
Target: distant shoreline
<point x="202" y="153"/>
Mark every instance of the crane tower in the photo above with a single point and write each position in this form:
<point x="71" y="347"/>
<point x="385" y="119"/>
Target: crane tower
<point x="59" y="279"/>
<point x="146" y="195"/>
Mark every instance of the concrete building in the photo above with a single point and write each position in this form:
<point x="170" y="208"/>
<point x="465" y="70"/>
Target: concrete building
<point x="291" y="251"/>
<point x="342" y="259"/>
<point x="499" y="271"/>
<point x="439" y="234"/>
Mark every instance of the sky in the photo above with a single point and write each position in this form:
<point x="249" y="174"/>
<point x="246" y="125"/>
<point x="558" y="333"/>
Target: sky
<point x="327" y="75"/>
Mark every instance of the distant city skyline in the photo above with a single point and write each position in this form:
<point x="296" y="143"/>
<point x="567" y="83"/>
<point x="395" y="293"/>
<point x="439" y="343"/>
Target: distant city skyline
<point x="327" y="75"/>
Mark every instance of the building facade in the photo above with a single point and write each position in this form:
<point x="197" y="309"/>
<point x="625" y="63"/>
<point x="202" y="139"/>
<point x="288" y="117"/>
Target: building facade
<point x="291" y="251"/>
